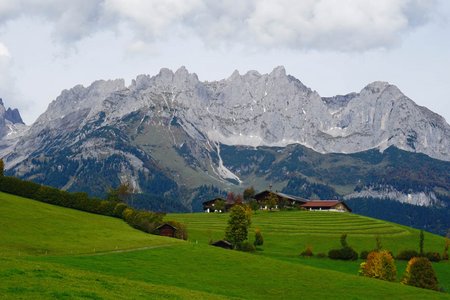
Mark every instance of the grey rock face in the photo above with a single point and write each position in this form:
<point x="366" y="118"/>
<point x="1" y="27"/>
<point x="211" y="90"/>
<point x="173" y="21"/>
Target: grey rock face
<point x="414" y="198"/>
<point x="276" y="110"/>
<point x="11" y="129"/>
<point x="253" y="109"/>
<point x="13" y="115"/>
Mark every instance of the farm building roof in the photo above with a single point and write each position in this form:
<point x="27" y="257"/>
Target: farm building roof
<point x="282" y="195"/>
<point x="324" y="204"/>
<point x="321" y="203"/>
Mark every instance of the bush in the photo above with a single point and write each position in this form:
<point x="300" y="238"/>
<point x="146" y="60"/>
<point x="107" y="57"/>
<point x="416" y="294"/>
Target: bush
<point x="407" y="254"/>
<point x="447" y="245"/>
<point x="364" y="254"/>
<point x="346" y="253"/>
<point x="307" y="252"/>
<point x="380" y="265"/>
<point x="433" y="256"/>
<point x="321" y="255"/>
<point x="142" y="220"/>
<point x="19" y="187"/>
<point x="419" y="273"/>
<point x="118" y="209"/>
<point x="246" y="246"/>
<point x="259" y="240"/>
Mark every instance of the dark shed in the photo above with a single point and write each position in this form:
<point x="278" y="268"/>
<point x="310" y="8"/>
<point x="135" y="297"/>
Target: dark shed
<point x="223" y="244"/>
<point x="166" y="230"/>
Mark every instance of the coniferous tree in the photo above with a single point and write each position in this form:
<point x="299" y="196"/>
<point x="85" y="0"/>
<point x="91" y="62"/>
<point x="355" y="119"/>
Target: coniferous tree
<point x="2" y="168"/>
<point x="378" y="243"/>
<point x="447" y="245"/>
<point x="259" y="240"/>
<point x="421" y="242"/>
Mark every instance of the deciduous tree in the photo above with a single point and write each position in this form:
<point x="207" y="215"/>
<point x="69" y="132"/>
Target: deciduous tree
<point x="271" y="201"/>
<point x="381" y="265"/>
<point x="220" y="205"/>
<point x="230" y="198"/>
<point x="249" y="193"/>
<point x="420" y="273"/>
<point x="238" y="224"/>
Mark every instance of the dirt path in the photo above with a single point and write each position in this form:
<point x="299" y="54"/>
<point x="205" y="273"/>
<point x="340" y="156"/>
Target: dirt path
<point x="127" y="250"/>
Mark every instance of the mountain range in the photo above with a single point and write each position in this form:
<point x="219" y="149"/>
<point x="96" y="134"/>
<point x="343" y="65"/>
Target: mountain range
<point x="177" y="140"/>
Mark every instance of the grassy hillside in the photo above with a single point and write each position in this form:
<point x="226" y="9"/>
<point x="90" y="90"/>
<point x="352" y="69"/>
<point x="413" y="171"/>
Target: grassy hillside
<point x="34" y="228"/>
<point x="179" y="270"/>
<point x="287" y="233"/>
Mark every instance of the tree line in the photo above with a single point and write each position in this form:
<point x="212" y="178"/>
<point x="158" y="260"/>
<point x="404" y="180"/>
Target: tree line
<point x="113" y="205"/>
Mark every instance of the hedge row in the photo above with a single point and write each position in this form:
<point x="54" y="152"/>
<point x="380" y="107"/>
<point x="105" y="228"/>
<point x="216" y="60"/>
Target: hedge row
<point x="143" y="220"/>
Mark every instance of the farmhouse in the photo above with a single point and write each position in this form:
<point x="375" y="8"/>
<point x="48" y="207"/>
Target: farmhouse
<point x="328" y="205"/>
<point x="281" y="199"/>
<point x="214" y="205"/>
<point x="166" y="230"/>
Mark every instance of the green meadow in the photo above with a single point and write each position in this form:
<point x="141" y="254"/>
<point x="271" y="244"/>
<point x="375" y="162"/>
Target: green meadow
<point x="49" y="252"/>
<point x="287" y="233"/>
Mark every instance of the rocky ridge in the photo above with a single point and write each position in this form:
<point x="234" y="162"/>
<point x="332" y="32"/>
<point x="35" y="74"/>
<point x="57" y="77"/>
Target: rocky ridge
<point x="140" y="130"/>
<point x="11" y="129"/>
<point x="261" y="110"/>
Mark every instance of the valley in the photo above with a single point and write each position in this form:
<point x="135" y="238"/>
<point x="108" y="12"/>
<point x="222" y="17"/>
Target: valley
<point x="47" y="261"/>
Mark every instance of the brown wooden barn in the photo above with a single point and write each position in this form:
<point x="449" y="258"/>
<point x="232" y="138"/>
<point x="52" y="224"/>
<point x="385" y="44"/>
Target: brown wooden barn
<point x="328" y="205"/>
<point x="166" y="230"/>
<point x="284" y="200"/>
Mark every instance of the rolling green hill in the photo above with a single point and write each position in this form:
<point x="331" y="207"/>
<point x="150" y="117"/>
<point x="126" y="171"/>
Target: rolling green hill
<point x="48" y="252"/>
<point x="287" y="233"/>
<point x="35" y="228"/>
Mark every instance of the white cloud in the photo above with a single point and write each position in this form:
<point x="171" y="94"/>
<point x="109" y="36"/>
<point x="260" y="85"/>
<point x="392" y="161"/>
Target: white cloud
<point x="8" y="85"/>
<point x="72" y="20"/>
<point x="7" y="90"/>
<point x="4" y="52"/>
<point x="340" y="25"/>
<point x="336" y="25"/>
<point x="153" y="18"/>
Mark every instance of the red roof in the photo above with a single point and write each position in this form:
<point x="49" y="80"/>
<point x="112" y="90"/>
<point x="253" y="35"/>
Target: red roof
<point x="321" y="203"/>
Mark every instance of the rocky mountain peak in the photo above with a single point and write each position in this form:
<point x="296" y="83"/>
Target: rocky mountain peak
<point x="12" y="128"/>
<point x="180" y="79"/>
<point x="279" y="71"/>
<point x="165" y="74"/>
<point x="375" y="87"/>
<point x="13" y="115"/>
<point x="256" y="109"/>
<point x="234" y="76"/>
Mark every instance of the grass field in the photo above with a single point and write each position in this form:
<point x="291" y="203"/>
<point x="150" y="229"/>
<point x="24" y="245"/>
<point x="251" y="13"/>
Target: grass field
<point x="167" y="268"/>
<point x="287" y="233"/>
<point x="35" y="228"/>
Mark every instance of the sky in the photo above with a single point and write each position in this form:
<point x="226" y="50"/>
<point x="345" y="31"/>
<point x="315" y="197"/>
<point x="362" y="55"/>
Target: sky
<point x="332" y="46"/>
